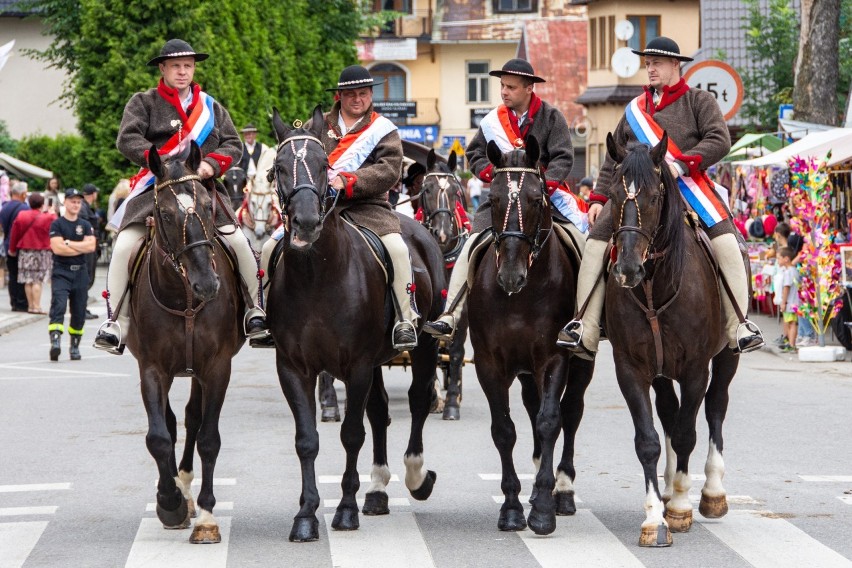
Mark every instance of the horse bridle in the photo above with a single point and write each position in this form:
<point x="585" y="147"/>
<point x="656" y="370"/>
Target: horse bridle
<point x="443" y="199"/>
<point x="536" y="243"/>
<point x="631" y="196"/>
<point x="299" y="156"/>
<point x="191" y="211"/>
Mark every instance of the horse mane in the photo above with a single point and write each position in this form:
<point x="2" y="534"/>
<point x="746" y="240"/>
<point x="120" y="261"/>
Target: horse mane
<point x="670" y="236"/>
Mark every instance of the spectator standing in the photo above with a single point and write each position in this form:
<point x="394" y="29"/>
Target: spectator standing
<point x="8" y="213"/>
<point x="71" y="239"/>
<point x="785" y="237"/>
<point x="89" y="212"/>
<point x="789" y="297"/>
<point x="474" y="190"/>
<point x="585" y="190"/>
<point x="29" y="241"/>
<point x="117" y="197"/>
<point x="52" y="189"/>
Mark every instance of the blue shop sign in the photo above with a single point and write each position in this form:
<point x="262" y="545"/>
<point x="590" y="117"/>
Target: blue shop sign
<point x="422" y="134"/>
<point x="448" y="141"/>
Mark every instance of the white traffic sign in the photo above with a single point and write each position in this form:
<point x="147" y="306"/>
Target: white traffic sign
<point x="720" y="80"/>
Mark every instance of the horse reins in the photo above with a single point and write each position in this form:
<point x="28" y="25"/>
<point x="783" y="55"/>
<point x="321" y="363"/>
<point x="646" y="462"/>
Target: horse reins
<point x="515" y="199"/>
<point x="191" y="211"/>
<point x="299" y="156"/>
<point x="443" y="202"/>
<point x="631" y="196"/>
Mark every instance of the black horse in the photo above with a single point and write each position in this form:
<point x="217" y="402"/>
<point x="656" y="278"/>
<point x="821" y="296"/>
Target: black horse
<point x="235" y="181"/>
<point x="329" y="310"/>
<point x="662" y="280"/>
<point x="524" y="286"/>
<point x="186" y="312"/>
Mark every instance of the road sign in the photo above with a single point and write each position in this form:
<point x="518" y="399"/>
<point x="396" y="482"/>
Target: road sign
<point x="447" y="141"/>
<point x="457" y="148"/>
<point x="720" y="80"/>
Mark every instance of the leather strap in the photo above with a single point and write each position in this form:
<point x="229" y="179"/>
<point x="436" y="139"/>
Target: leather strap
<point x="585" y="305"/>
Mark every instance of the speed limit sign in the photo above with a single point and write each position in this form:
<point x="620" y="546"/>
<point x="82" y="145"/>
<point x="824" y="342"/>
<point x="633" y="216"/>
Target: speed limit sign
<point x="720" y="80"/>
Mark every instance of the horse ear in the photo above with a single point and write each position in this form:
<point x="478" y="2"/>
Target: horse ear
<point x="430" y="160"/>
<point x="615" y="151"/>
<point x="155" y="164"/>
<point x="658" y="152"/>
<point x="317" y="121"/>
<point x="453" y="161"/>
<point x="194" y="159"/>
<point x="533" y="151"/>
<point x="495" y="156"/>
<point x="281" y="129"/>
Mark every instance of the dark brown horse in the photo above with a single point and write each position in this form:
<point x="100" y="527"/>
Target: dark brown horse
<point x="524" y="286"/>
<point x="185" y="310"/>
<point x="235" y="181"/>
<point x="439" y="195"/>
<point x="662" y="278"/>
<point x="329" y="311"/>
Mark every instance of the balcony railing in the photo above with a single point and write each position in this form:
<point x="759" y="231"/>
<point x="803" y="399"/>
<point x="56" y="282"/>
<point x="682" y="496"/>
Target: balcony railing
<point x="417" y="24"/>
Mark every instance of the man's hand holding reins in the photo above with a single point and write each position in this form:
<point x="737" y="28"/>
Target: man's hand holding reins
<point x="205" y="170"/>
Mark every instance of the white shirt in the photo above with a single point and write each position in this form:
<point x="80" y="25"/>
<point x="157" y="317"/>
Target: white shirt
<point x="252" y="167"/>
<point x="474" y="186"/>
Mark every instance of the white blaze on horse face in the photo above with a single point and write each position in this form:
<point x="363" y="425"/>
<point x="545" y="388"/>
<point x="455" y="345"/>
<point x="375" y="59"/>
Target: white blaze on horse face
<point x="186" y="202"/>
<point x="714" y="470"/>
<point x="654" y="508"/>
<point x="443" y="183"/>
<point x="379" y="478"/>
<point x="415" y="471"/>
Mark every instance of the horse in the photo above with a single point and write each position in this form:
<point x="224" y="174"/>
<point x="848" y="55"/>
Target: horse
<point x="525" y="284"/>
<point x="235" y="182"/>
<point x="259" y="214"/>
<point x="662" y="330"/>
<point x="329" y="310"/>
<point x="186" y="312"/>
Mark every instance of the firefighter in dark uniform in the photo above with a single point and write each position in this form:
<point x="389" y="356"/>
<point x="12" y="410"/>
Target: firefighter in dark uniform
<point x="71" y="239"/>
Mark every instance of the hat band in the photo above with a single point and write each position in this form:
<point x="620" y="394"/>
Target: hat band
<point x="179" y="54"/>
<point x="357" y="81"/>
<point x="518" y="73"/>
<point x="663" y="52"/>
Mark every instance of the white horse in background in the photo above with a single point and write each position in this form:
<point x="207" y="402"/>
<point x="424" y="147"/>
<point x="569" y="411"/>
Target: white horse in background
<point x="260" y="213"/>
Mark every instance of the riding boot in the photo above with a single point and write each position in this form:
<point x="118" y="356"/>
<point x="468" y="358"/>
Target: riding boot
<point x="265" y="256"/>
<point x="582" y="336"/>
<point x="74" y="351"/>
<point x="743" y="336"/>
<point x="113" y="332"/>
<point x="445" y="326"/>
<point x="55" y="345"/>
<point x="254" y="321"/>
<point x="404" y="332"/>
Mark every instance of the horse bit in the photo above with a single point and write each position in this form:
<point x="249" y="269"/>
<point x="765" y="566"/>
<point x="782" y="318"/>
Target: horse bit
<point x="632" y="194"/>
<point x="191" y="211"/>
<point x="515" y="199"/>
<point x="299" y="156"/>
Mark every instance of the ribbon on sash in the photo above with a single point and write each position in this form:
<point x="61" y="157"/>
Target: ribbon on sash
<point x="198" y="126"/>
<point x="706" y="197"/>
<point x="355" y="147"/>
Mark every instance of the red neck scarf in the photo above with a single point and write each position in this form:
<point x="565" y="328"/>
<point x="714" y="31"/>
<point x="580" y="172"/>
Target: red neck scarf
<point x="670" y="95"/>
<point x="535" y="104"/>
<point x="172" y="97"/>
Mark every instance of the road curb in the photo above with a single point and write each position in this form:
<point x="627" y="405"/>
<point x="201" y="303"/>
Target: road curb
<point x="7" y="324"/>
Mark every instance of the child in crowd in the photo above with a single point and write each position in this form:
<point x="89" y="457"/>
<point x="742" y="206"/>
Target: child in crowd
<point x="789" y="297"/>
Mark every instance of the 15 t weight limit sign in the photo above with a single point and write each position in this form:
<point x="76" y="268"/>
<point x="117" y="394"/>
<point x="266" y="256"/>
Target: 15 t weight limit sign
<point x="720" y="80"/>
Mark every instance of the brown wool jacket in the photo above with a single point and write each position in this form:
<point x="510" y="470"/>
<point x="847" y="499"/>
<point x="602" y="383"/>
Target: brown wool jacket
<point x="148" y="120"/>
<point x="365" y="196"/>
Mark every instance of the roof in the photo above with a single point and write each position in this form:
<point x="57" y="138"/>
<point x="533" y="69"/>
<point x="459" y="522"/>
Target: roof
<point x="769" y="141"/>
<point x="22" y="169"/>
<point x="610" y="94"/>
<point x="816" y="145"/>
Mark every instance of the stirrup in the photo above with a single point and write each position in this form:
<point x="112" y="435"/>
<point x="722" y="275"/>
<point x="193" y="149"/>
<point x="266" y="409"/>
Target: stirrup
<point x="109" y="328"/>
<point x="749" y="337"/>
<point x="255" y="312"/>
<point x="403" y="345"/>
<point x="571" y="336"/>
<point x="437" y="328"/>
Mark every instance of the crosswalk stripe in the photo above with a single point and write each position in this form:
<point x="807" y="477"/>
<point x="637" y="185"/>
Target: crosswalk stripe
<point x="768" y="542"/>
<point x="585" y="541"/>
<point x="156" y="546"/>
<point x="34" y="487"/>
<point x="524" y="498"/>
<point x="829" y="478"/>
<point x="732" y="499"/>
<point x="392" y="502"/>
<point x="846" y="499"/>
<point x="220" y="506"/>
<point x="217" y="481"/>
<point x="17" y="540"/>
<point x="21" y="511"/>
<point x="363" y="478"/>
<point x="499" y="476"/>
<point x="386" y="541"/>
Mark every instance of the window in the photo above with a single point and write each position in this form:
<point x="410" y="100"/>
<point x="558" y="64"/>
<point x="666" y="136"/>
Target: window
<point x="477" y="82"/>
<point x="593" y="41"/>
<point x="393" y="88"/>
<point x="404" y="6"/>
<point x="601" y="41"/>
<point x="513" y="6"/>
<point x="645" y="28"/>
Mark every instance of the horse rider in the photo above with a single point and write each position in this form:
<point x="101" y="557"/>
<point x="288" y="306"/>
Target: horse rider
<point x="252" y="151"/>
<point x="365" y="161"/>
<point x="169" y="116"/>
<point x="698" y="138"/>
<point x="522" y="114"/>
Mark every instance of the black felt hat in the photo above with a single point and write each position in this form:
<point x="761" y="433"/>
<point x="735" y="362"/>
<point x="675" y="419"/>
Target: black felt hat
<point x="355" y="77"/>
<point x="177" y="48"/>
<point x="519" y="67"/>
<point x="663" y="47"/>
<point x="249" y="128"/>
<point x="414" y="170"/>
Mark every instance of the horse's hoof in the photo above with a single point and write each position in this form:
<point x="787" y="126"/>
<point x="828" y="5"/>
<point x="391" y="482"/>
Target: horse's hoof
<point x="437" y="406"/>
<point x="305" y="529"/>
<point x="205" y="534"/>
<point x="422" y="493"/>
<point x="540" y="522"/>
<point x="713" y="507"/>
<point x="376" y="503"/>
<point x="656" y="537"/>
<point x="565" y="505"/>
<point x="177" y="519"/>
<point x="452" y="412"/>
<point x="679" y="521"/>
<point x="330" y="414"/>
<point x="345" y="520"/>
<point x="512" y="520"/>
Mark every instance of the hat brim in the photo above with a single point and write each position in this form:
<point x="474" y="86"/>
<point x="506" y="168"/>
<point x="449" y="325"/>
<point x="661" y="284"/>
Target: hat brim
<point x="662" y="53"/>
<point x="373" y="83"/>
<point x="161" y="58"/>
<point x="533" y="78"/>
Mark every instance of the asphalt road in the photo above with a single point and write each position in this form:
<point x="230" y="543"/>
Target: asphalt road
<point x="77" y="483"/>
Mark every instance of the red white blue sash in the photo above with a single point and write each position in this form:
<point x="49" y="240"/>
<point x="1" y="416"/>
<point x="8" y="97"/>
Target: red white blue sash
<point x="704" y="196"/>
<point x="355" y="147"/>
<point x="496" y="126"/>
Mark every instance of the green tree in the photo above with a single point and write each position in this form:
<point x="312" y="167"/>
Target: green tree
<point x="62" y="154"/>
<point x="772" y="42"/>
<point x="7" y="144"/>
